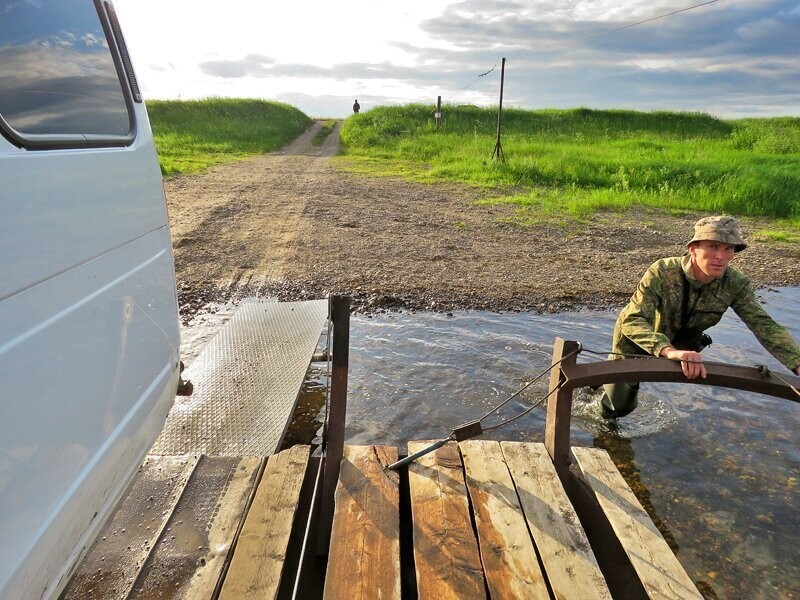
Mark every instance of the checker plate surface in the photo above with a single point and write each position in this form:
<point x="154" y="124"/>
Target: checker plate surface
<point x="246" y="381"/>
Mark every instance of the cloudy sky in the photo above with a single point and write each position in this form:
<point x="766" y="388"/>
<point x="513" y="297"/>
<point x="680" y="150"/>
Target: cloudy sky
<point x="730" y="58"/>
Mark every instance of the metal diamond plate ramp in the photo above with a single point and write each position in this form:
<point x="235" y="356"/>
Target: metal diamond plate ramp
<point x="246" y="381"/>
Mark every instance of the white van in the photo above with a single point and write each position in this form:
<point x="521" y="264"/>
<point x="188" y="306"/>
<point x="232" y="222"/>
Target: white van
<point x="88" y="311"/>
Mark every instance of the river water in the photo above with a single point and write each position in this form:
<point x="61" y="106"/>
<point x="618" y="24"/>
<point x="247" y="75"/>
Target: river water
<point x="716" y="469"/>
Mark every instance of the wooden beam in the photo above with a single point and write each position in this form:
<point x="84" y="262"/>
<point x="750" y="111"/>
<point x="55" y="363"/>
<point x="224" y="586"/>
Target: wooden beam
<point x="364" y="555"/>
<point x="446" y="557"/>
<point x="567" y="557"/>
<point x="659" y="571"/>
<point x="257" y="565"/>
<point x="559" y="408"/>
<point x="509" y="557"/>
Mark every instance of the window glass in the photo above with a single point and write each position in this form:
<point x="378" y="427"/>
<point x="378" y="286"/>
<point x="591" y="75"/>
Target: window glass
<point x="57" y="76"/>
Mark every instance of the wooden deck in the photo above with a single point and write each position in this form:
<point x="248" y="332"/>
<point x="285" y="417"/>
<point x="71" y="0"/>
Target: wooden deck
<point x="478" y="519"/>
<point x="492" y="519"/>
<point x="474" y="519"/>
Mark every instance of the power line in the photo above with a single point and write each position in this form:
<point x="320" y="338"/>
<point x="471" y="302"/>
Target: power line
<point x="593" y="36"/>
<point x="629" y="25"/>
<point x="473" y="82"/>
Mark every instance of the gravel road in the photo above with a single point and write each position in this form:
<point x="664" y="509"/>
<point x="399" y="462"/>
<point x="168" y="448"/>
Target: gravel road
<point x="290" y="225"/>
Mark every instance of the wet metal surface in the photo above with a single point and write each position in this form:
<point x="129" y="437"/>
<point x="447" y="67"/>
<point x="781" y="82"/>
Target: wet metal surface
<point x="246" y="381"/>
<point x="191" y="553"/>
<point x="113" y="563"/>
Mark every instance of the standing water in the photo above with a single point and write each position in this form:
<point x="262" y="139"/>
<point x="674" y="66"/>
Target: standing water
<point x="717" y="469"/>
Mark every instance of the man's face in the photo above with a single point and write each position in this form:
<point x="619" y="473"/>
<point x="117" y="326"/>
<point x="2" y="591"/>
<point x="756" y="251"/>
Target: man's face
<point x="711" y="258"/>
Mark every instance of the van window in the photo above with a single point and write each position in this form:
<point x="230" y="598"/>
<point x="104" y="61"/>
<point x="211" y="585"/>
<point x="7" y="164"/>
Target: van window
<point x="57" y="75"/>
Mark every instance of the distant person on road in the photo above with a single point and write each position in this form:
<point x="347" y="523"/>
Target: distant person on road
<point x="356" y="106"/>
<point x="679" y="298"/>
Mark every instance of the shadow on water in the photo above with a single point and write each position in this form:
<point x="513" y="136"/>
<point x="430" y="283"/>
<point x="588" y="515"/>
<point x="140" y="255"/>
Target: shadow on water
<point x="309" y="415"/>
<point x="716" y="469"/>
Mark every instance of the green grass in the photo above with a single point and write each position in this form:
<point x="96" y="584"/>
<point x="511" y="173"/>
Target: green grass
<point x="576" y="162"/>
<point x="193" y="135"/>
<point x="789" y="235"/>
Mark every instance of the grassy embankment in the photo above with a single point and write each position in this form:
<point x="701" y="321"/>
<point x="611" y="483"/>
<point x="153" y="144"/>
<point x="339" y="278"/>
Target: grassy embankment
<point x="193" y="135"/>
<point x="571" y="163"/>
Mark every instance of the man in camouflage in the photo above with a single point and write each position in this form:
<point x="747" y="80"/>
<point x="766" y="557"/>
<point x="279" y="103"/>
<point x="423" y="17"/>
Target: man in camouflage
<point x="679" y="298"/>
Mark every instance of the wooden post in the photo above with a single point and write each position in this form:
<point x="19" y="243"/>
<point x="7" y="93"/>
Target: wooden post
<point x="334" y="442"/>
<point x="559" y="408"/>
<point x="438" y="114"/>
<point x="498" y="148"/>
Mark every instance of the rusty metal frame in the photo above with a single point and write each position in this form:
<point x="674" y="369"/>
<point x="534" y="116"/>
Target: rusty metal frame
<point x="333" y="443"/>
<point x="569" y="375"/>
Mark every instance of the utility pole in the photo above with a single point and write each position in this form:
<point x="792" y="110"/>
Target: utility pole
<point x="438" y="114"/>
<point x="498" y="148"/>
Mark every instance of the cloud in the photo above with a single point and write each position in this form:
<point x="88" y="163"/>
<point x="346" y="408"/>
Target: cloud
<point x="558" y="56"/>
<point x="716" y="52"/>
<point x="252" y="65"/>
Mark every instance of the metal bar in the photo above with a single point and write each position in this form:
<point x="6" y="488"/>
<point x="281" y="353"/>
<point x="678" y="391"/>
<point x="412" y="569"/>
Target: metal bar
<point x="569" y="375"/>
<point x="409" y="459"/>
<point x="559" y="407"/>
<point x="309" y="575"/>
<point x="750" y="379"/>
<point x="334" y="444"/>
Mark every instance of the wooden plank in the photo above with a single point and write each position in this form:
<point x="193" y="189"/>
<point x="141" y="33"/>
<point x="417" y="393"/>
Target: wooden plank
<point x="117" y="557"/>
<point x="445" y="548"/>
<point x="659" y="571"/>
<point x="364" y="556"/>
<point x="559" y="407"/>
<point x="568" y="560"/>
<point x="189" y="557"/>
<point x="509" y="557"/>
<point x="257" y="564"/>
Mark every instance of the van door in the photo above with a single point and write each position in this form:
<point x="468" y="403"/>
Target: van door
<point x="88" y="311"/>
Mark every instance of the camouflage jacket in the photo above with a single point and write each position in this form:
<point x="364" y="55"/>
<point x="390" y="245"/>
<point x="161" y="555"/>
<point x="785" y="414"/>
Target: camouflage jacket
<point x="654" y="314"/>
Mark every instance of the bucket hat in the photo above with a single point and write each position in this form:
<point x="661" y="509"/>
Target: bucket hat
<point x="721" y="228"/>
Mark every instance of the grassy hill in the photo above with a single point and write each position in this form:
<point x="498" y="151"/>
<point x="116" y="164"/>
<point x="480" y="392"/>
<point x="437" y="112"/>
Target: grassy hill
<point x="193" y="135"/>
<point x="578" y="161"/>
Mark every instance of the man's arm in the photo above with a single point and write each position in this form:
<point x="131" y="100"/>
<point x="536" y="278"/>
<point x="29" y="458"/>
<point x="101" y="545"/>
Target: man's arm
<point x="637" y="322"/>
<point x="770" y="334"/>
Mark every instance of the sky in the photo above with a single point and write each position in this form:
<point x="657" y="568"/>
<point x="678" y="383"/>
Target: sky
<point x="731" y="58"/>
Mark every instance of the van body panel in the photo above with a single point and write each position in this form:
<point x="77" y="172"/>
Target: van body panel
<point x="100" y="342"/>
<point x="89" y="329"/>
<point x="76" y="205"/>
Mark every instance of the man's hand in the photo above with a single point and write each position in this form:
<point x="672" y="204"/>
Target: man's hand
<point x="797" y="370"/>
<point x="691" y="361"/>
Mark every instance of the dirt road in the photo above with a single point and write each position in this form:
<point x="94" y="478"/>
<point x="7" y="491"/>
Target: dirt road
<point x="288" y="224"/>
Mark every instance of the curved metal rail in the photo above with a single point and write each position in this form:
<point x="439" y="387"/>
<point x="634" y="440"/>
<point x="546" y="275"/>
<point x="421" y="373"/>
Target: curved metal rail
<point x="569" y="376"/>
